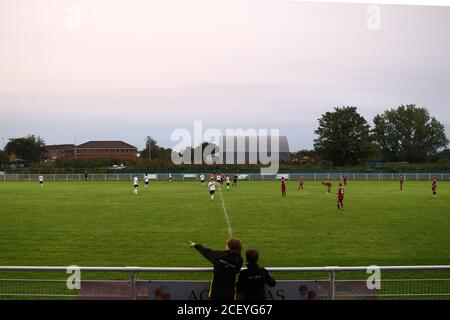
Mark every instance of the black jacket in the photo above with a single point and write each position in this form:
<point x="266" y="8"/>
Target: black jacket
<point x="251" y="283"/>
<point x="226" y="266"/>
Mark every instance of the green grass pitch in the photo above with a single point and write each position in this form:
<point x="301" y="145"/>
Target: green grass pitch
<point x="105" y="224"/>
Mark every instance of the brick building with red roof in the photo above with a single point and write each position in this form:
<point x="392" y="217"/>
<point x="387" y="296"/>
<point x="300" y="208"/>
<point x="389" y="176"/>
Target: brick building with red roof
<point x="106" y="149"/>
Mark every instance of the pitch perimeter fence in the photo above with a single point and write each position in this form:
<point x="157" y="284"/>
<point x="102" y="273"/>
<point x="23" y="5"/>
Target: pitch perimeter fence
<point x="242" y="176"/>
<point x="326" y="288"/>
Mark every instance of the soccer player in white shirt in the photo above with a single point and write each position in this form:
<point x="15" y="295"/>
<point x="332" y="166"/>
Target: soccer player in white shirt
<point x="202" y="180"/>
<point x="136" y="184"/>
<point x="146" y="181"/>
<point x="212" y="188"/>
<point x="219" y="179"/>
<point x="170" y="177"/>
<point x="41" y="181"/>
<point x="228" y="182"/>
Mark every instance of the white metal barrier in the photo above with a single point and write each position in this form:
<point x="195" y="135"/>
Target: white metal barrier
<point x="249" y="176"/>
<point x="432" y="288"/>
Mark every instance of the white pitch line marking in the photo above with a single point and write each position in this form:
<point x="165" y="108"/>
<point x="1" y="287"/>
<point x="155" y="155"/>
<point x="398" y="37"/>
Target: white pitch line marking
<point x="227" y="219"/>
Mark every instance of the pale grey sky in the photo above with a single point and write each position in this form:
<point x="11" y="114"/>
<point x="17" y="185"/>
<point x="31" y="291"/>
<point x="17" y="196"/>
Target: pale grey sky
<point x="140" y="67"/>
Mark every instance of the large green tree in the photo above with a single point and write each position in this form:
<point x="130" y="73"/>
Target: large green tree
<point x="3" y="156"/>
<point x="343" y="137"/>
<point x="27" y="148"/>
<point x="154" y="152"/>
<point x="408" y="133"/>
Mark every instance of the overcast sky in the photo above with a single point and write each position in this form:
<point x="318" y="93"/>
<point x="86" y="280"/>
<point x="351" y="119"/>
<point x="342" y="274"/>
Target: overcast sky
<point x="136" y="68"/>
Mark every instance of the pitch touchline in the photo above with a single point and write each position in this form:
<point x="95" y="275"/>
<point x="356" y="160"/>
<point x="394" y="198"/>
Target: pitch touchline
<point x="227" y="219"/>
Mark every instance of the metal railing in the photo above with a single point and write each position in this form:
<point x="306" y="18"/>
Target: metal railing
<point x="380" y="176"/>
<point x="332" y="288"/>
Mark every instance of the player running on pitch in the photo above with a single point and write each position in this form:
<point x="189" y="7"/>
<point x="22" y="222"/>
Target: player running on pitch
<point x="283" y="187"/>
<point x="402" y="182"/>
<point x="434" y="186"/>
<point x="235" y="180"/>
<point x="219" y="178"/>
<point x="212" y="188"/>
<point x="340" y="201"/>
<point x="227" y="180"/>
<point x="41" y="181"/>
<point x="345" y="178"/>
<point x="329" y="185"/>
<point x="301" y="183"/>
<point x="146" y="180"/>
<point x="136" y="184"/>
<point x="202" y="180"/>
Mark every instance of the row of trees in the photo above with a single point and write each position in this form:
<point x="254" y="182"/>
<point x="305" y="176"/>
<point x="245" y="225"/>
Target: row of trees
<point x="407" y="133"/>
<point x="153" y="151"/>
<point x="28" y="149"/>
<point x="404" y="134"/>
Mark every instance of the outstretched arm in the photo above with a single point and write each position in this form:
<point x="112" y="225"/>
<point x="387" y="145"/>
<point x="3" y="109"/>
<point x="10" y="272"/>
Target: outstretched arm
<point x="209" y="254"/>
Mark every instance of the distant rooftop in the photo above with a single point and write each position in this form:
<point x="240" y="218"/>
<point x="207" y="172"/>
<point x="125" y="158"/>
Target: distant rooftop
<point x="283" y="143"/>
<point x="60" y="147"/>
<point x="106" y="145"/>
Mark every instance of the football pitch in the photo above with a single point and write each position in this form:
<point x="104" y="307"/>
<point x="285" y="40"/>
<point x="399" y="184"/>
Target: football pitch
<point x="104" y="224"/>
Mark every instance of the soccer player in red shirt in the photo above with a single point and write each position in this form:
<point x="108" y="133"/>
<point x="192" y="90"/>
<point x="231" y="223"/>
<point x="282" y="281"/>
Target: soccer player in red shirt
<point x="283" y="187"/>
<point x="434" y="186"/>
<point x="301" y="183"/>
<point x="328" y="185"/>
<point x="345" y="180"/>
<point x="402" y="182"/>
<point x="340" y="201"/>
